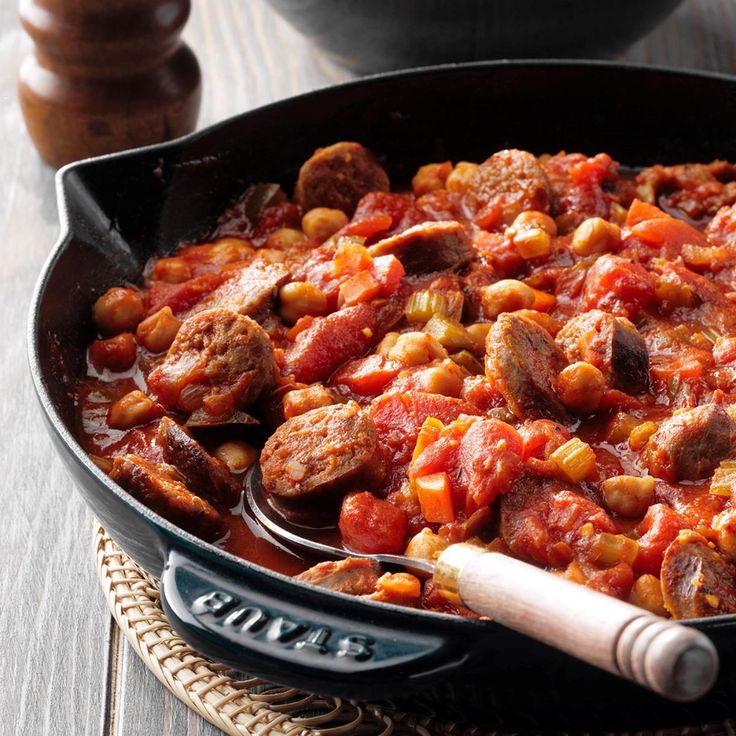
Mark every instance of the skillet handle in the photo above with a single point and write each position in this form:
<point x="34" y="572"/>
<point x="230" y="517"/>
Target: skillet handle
<point x="299" y="635"/>
<point x="675" y="661"/>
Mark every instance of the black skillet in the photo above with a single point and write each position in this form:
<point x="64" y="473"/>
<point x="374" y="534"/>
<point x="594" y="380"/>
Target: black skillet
<point x="119" y="210"/>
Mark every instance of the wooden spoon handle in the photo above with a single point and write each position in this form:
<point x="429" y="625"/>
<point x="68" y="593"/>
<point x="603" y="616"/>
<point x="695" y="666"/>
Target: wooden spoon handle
<point x="675" y="661"/>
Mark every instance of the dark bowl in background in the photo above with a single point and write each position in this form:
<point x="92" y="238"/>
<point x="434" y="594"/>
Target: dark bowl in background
<point x="378" y="35"/>
<point x="118" y="211"/>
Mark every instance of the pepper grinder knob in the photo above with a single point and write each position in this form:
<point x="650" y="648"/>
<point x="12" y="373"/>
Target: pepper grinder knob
<point x="105" y="75"/>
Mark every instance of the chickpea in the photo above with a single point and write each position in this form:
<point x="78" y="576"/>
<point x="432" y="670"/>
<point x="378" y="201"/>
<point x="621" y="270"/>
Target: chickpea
<point x="647" y="594"/>
<point x="426" y="545"/>
<point x="542" y="319"/>
<point x="389" y="340"/>
<point x="595" y="235"/>
<point x="114" y="354"/>
<point x="118" y="310"/>
<point x="322" y="222"/>
<point x="461" y="177"/>
<point x="724" y="525"/>
<point x="580" y="386"/>
<point x="237" y="455"/>
<point x="619" y="214"/>
<point x="131" y="410"/>
<point x="231" y="250"/>
<point x="171" y="270"/>
<point x="284" y="238"/>
<point x="506" y="295"/>
<point x="416" y="348"/>
<point x="610" y="549"/>
<point x="628" y="495"/>
<point x="430" y="178"/>
<point x="445" y="379"/>
<point x="533" y="243"/>
<point x="300" y="298"/>
<point x="157" y="332"/>
<point x="532" y="220"/>
<point x="478" y="332"/>
<point x="301" y="400"/>
<point x="271" y="255"/>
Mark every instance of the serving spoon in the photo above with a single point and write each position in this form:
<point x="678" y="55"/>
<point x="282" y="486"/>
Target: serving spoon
<point x="673" y="660"/>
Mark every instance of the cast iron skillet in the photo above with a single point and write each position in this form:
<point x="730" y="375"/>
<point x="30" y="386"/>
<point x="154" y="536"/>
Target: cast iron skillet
<point x="119" y="210"/>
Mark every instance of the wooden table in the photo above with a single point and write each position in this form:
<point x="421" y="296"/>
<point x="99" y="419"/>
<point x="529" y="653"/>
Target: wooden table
<point x="64" y="668"/>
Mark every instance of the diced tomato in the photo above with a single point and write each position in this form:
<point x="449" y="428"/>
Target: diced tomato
<point x="477" y="390"/>
<point x="668" y="231"/>
<point x="684" y="367"/>
<point x="275" y="217"/>
<point x="657" y="529"/>
<point x="362" y="287"/>
<point x="616" y="581"/>
<point x="329" y="341"/>
<point x="539" y="514"/>
<point x="490" y="461"/>
<point x="367" y="376"/>
<point x="384" y="203"/>
<point x="721" y="229"/>
<point x="724" y="351"/>
<point x="543" y="302"/>
<point x="594" y="170"/>
<point x="350" y="258"/>
<point x="641" y="211"/>
<point x="619" y="286"/>
<point x="389" y="272"/>
<point x="371" y="525"/>
<point x="299" y="326"/>
<point x="398" y="418"/>
<point x="369" y="226"/>
<point x="542" y="437"/>
<point x="183" y="296"/>
<point x="437" y="456"/>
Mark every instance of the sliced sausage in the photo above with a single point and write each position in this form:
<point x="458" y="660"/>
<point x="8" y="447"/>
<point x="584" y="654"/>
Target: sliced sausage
<point x="504" y="186"/>
<point x="690" y="445"/>
<point x="219" y="360"/>
<point x="354" y="575"/>
<point x="204" y="474"/>
<point x="610" y="343"/>
<point x="431" y="246"/>
<point x="339" y="176"/>
<point x="250" y="293"/>
<point x="329" y="449"/>
<point x="522" y="362"/>
<point x="167" y="496"/>
<point x="696" y="580"/>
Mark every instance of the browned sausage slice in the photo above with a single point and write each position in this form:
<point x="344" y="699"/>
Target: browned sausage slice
<point x="203" y="473"/>
<point x="610" y="343"/>
<point x="339" y="176"/>
<point x="251" y="292"/>
<point x="354" y="575"/>
<point x="690" y="445"/>
<point x="163" y="494"/>
<point x="329" y="449"/>
<point x="523" y="361"/>
<point x="696" y="580"/>
<point x="219" y="360"/>
<point x="431" y="246"/>
<point x="504" y="186"/>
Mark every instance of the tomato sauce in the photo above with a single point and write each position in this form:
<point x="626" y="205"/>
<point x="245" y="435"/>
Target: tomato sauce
<point x="543" y="350"/>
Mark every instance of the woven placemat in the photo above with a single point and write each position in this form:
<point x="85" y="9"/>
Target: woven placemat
<point x="241" y="705"/>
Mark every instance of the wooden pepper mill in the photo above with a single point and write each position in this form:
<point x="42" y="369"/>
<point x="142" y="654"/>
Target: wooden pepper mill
<point x="106" y="75"/>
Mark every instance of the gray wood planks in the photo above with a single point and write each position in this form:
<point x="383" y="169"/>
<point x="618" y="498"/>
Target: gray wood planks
<point x="55" y="633"/>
